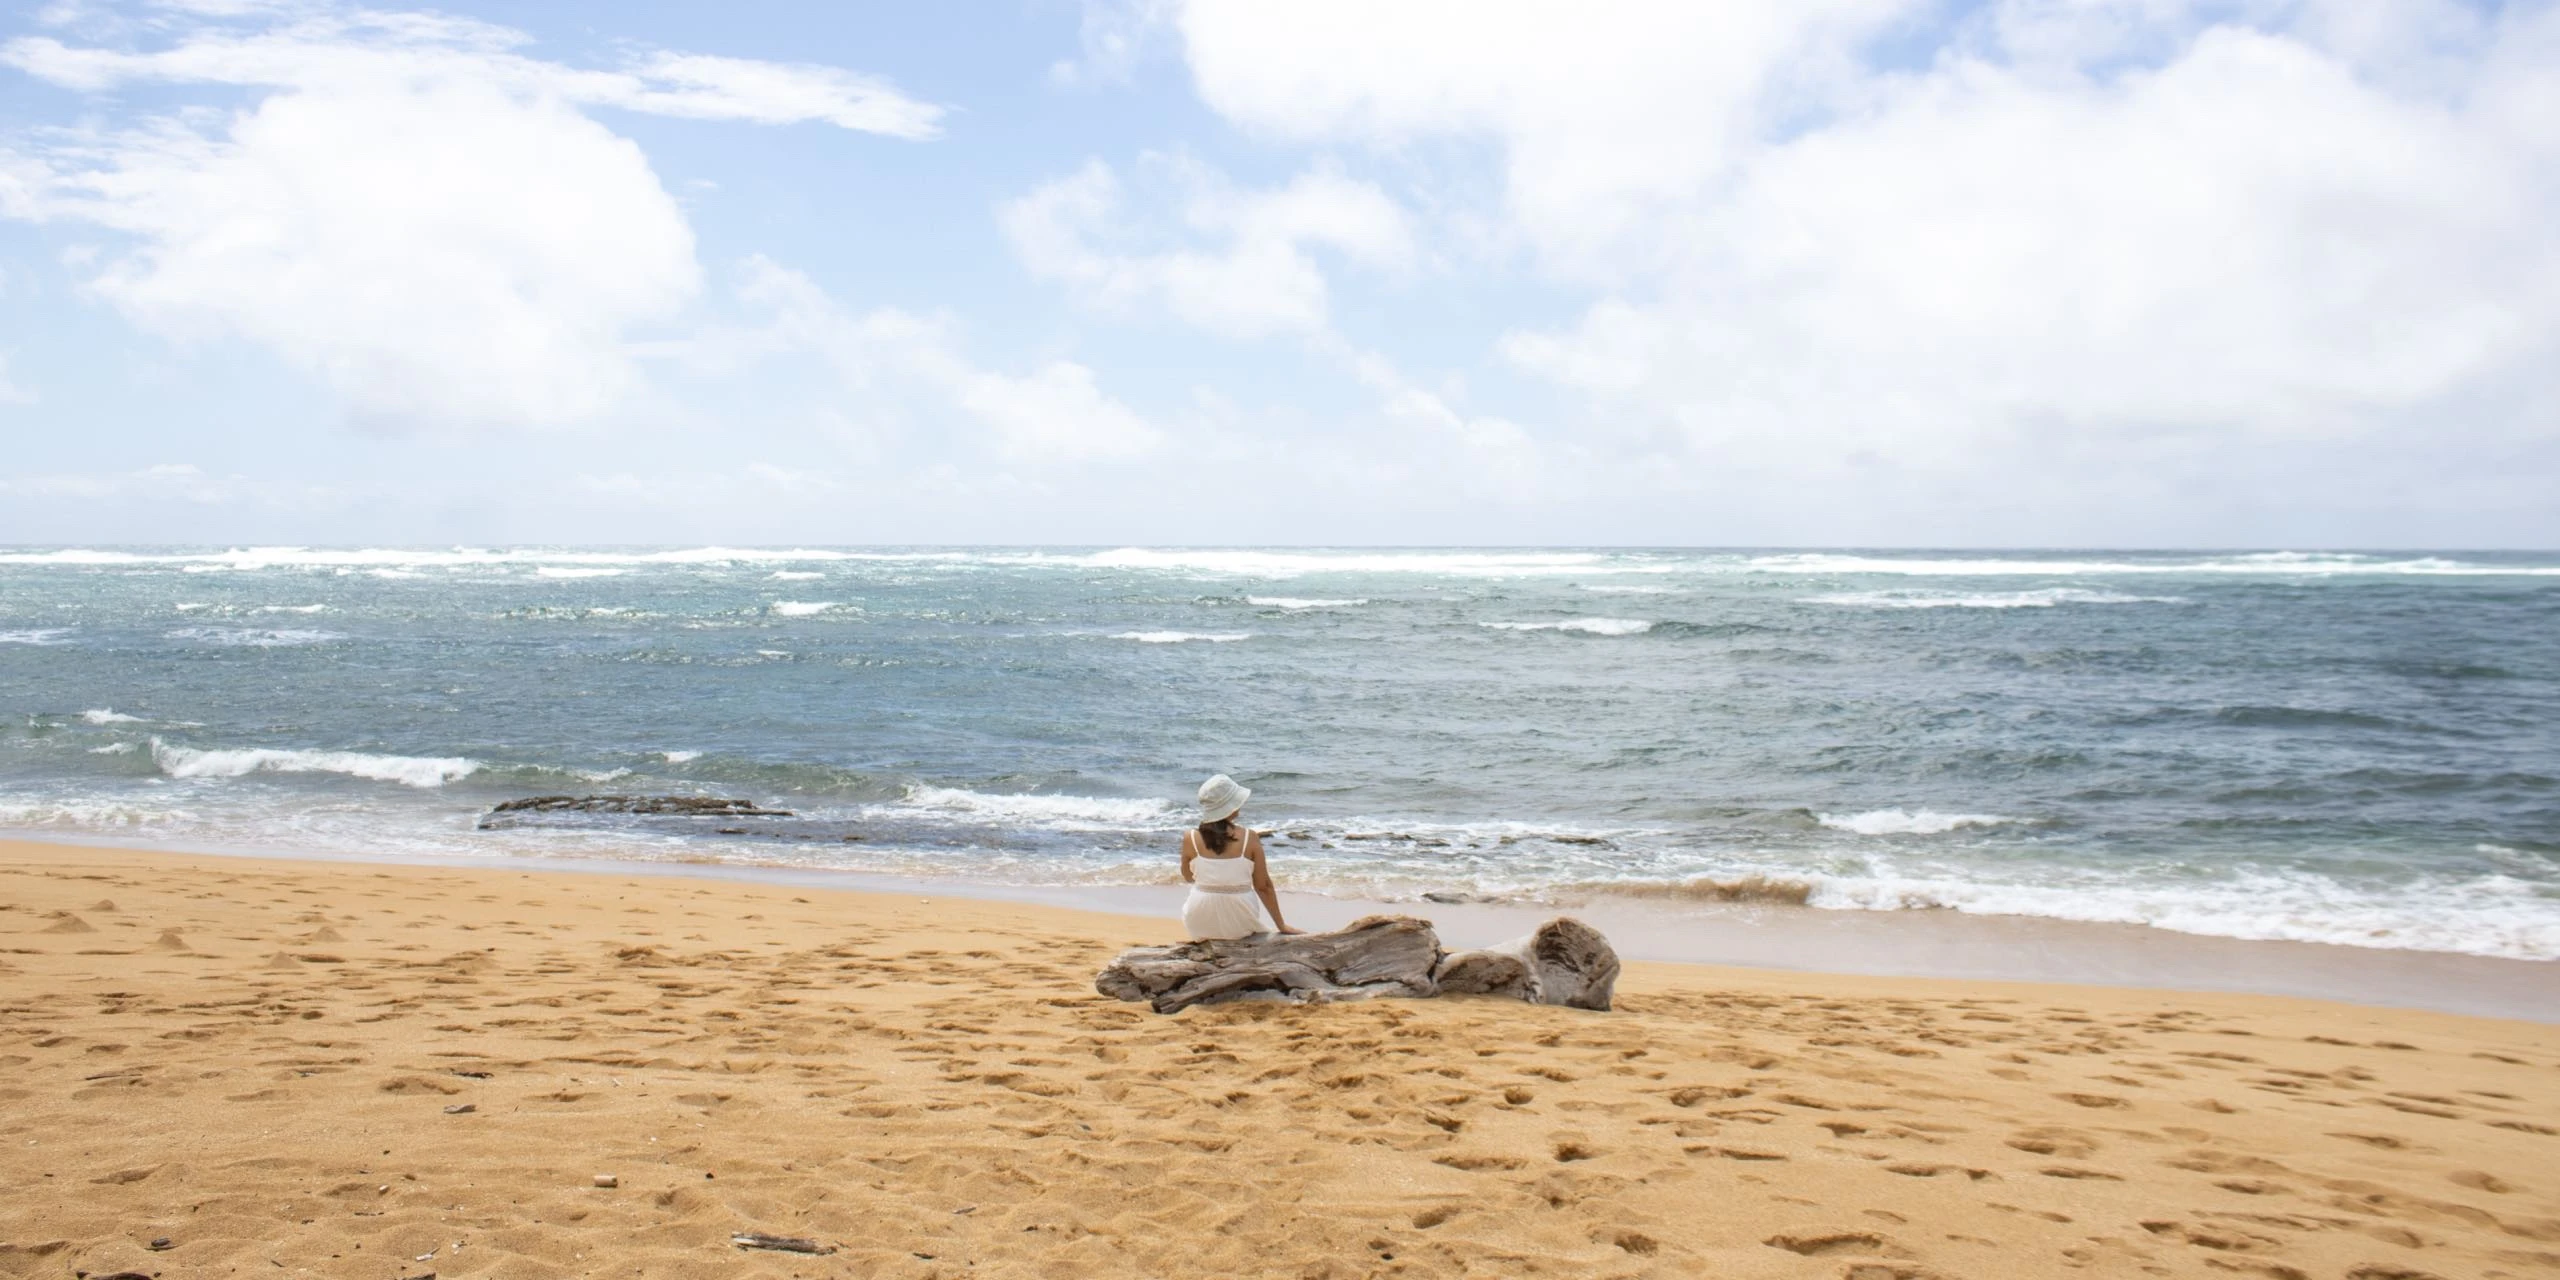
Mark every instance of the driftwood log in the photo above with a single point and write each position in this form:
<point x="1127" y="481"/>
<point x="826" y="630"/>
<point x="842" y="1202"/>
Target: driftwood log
<point x="1566" y="962"/>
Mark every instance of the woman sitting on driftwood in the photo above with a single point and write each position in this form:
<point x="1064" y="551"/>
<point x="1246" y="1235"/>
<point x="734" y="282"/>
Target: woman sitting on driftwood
<point x="1222" y="862"/>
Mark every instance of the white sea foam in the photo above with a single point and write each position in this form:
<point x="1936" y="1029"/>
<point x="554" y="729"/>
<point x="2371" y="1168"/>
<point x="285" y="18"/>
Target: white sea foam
<point x="1898" y="822"/>
<point x="2488" y="916"/>
<point x="292" y="608"/>
<point x="398" y="559"/>
<point x="1589" y="626"/>
<point x="1293" y="602"/>
<point x="408" y="771"/>
<point x="795" y="575"/>
<point x="2044" y="599"/>
<point x="802" y="608"/>
<point x="37" y="635"/>
<point x="1604" y="589"/>
<point x="109" y="715"/>
<point x="1050" y="810"/>
<point x="253" y="638"/>
<point x="1294" y="563"/>
<point x="112" y="749"/>
<point x="1181" y="637"/>
<point x="2266" y="564"/>
<point x="82" y="816"/>
<point x="577" y="571"/>
<point x="679" y="757"/>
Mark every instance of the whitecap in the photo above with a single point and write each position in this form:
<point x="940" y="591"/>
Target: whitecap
<point x="1181" y="637"/>
<point x="36" y="636"/>
<point x="112" y="749"/>
<point x="679" y="757"/>
<point x="576" y="571"/>
<point x="1293" y="603"/>
<point x="2263" y="563"/>
<point x="1897" y="822"/>
<point x="108" y="715"/>
<point x="408" y="771"/>
<point x="2043" y="599"/>
<point x="292" y="608"/>
<point x="253" y="638"/>
<point x="1297" y="563"/>
<point x="795" y="575"/>
<point x="1588" y="626"/>
<point x="802" y="608"/>
<point x="1046" y="809"/>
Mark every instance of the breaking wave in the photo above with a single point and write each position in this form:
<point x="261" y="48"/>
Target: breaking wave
<point x="1587" y="626"/>
<point x="1183" y="637"/>
<point x="408" y="771"/>
<point x="254" y="638"/>
<point x="1048" y="810"/>
<point x="1294" y="603"/>
<point x="1897" y="822"/>
<point x="2044" y="599"/>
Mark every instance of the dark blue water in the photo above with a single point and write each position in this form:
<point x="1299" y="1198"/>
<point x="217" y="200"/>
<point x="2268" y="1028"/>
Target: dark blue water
<point x="2355" y="749"/>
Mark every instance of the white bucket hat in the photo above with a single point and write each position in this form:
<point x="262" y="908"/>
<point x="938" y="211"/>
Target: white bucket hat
<point x="1220" y="797"/>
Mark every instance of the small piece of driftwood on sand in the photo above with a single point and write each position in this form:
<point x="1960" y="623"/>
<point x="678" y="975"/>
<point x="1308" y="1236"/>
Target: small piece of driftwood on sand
<point x="1565" y="962"/>
<point x="779" y="1244"/>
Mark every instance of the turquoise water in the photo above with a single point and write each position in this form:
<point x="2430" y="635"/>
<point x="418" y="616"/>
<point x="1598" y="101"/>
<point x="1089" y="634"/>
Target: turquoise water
<point x="2344" y="748"/>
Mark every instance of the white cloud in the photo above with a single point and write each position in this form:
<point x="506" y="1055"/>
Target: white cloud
<point x="168" y="481"/>
<point x="336" y="48"/>
<point x="1057" y="413"/>
<point x="1259" y="274"/>
<point x="2099" y="236"/>
<point x="413" y="213"/>
<point x="1603" y="120"/>
<point x="1112" y="37"/>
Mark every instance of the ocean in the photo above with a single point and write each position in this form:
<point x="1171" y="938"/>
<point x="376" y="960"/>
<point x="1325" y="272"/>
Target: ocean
<point x="2360" y="749"/>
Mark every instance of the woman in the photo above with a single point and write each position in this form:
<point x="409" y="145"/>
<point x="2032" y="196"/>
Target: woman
<point x="1222" y="862"/>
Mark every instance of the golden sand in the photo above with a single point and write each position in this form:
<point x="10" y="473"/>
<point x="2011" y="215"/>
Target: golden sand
<point x="296" y="1068"/>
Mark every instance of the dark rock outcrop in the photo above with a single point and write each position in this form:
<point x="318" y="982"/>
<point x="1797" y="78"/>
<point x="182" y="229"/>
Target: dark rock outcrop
<point x="653" y="806"/>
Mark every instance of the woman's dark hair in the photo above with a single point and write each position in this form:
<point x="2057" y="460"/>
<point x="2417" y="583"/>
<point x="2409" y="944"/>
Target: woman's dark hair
<point x="1215" y="835"/>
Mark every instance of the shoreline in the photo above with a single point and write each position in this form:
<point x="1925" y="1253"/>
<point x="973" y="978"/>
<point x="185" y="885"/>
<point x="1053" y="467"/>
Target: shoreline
<point x="1936" y="944"/>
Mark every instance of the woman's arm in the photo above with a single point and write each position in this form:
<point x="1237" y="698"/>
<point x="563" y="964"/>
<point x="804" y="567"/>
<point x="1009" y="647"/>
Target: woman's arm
<point x="1186" y="857"/>
<point x="1262" y="882"/>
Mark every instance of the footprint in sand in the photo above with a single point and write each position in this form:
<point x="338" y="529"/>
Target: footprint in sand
<point x="1825" y="1244"/>
<point x="2070" y="1144"/>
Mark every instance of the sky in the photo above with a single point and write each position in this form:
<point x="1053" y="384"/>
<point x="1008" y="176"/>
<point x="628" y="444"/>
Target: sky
<point x="1755" y="273"/>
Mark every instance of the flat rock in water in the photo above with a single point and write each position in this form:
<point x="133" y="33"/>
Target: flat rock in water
<point x="656" y="806"/>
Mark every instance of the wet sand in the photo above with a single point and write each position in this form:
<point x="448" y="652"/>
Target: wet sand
<point x="340" y="1069"/>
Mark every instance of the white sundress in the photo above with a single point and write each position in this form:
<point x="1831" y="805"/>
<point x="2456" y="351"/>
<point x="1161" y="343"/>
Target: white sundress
<point x="1222" y="902"/>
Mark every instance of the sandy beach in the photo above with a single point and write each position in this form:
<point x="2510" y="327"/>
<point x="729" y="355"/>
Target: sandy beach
<point x="221" y="1066"/>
